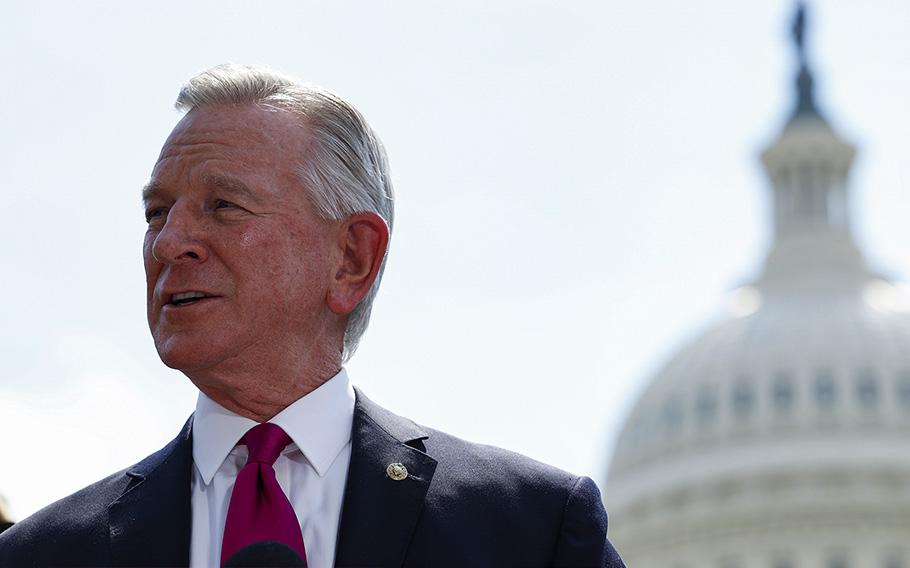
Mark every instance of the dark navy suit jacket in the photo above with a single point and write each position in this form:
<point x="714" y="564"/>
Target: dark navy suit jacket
<point x="463" y="504"/>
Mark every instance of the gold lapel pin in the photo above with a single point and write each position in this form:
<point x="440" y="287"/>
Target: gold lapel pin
<point x="396" y="471"/>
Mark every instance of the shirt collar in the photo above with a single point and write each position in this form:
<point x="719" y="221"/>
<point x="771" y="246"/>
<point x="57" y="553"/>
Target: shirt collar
<point x="318" y="423"/>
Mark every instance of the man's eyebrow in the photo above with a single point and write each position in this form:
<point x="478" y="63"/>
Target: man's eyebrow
<point x="223" y="183"/>
<point x="150" y="190"/>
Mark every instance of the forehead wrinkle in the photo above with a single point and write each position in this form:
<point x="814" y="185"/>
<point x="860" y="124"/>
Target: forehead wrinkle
<point x="195" y="133"/>
<point x="240" y="148"/>
<point x="180" y="147"/>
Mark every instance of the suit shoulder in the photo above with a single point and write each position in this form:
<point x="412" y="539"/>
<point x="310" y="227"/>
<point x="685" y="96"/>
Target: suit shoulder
<point x="532" y="510"/>
<point x="76" y="529"/>
<point x="80" y="519"/>
<point x="504" y="485"/>
<point x="486" y="463"/>
<point x="530" y="497"/>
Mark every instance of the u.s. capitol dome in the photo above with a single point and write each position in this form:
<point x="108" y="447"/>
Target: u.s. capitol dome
<point x="780" y="438"/>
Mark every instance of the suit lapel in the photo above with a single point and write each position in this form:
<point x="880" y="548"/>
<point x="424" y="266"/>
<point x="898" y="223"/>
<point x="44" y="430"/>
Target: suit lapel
<point x="150" y="522"/>
<point x="379" y="513"/>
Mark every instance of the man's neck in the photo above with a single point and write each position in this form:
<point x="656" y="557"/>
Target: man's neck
<point x="259" y="394"/>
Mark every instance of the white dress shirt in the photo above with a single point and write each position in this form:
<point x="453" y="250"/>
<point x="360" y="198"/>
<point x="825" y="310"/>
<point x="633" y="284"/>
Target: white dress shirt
<point x="312" y="471"/>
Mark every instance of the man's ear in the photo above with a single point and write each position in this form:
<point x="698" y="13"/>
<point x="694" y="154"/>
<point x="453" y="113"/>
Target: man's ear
<point x="363" y="240"/>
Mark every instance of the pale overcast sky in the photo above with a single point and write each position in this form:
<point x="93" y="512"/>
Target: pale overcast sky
<point x="578" y="188"/>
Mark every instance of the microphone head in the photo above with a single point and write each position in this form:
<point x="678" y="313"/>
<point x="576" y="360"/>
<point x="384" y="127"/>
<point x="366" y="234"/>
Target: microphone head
<point x="265" y="554"/>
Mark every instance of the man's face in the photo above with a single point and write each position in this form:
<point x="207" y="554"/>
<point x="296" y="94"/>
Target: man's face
<point x="237" y="263"/>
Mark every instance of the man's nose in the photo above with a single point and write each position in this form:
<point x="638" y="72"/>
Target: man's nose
<point x="181" y="239"/>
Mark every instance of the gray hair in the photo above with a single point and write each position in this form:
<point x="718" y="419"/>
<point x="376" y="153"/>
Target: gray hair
<point x="345" y="170"/>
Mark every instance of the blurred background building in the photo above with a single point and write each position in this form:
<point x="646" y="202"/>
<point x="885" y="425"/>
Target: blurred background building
<point x="779" y="437"/>
<point x="6" y="519"/>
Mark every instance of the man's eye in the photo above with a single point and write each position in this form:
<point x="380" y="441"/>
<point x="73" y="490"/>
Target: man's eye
<point x="222" y="204"/>
<point x="155" y="213"/>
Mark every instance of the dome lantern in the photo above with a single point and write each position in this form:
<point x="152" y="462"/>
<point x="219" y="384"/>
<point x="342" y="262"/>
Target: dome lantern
<point x="808" y="169"/>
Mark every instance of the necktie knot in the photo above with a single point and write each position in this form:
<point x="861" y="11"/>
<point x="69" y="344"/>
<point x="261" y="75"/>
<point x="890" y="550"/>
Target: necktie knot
<point x="265" y="443"/>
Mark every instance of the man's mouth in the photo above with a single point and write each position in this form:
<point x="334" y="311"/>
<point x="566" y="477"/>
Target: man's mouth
<point x="187" y="298"/>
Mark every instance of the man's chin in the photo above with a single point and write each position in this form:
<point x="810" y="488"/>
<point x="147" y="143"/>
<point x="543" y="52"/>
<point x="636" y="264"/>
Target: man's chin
<point x="186" y="358"/>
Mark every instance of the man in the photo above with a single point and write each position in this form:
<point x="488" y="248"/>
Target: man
<point x="269" y="212"/>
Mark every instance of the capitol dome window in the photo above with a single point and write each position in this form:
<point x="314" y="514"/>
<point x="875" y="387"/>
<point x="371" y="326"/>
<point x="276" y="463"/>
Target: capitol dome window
<point x="782" y="393"/>
<point x="903" y="391"/>
<point x="825" y="393"/>
<point x="783" y="563"/>
<point x="743" y="400"/>
<point x="672" y="416"/>
<point x="867" y="389"/>
<point x="706" y="406"/>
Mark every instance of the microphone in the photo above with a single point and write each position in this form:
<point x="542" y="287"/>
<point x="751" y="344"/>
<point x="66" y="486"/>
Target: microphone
<point x="265" y="554"/>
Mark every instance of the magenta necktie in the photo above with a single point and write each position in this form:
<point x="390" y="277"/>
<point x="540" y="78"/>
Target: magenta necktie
<point x="259" y="510"/>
